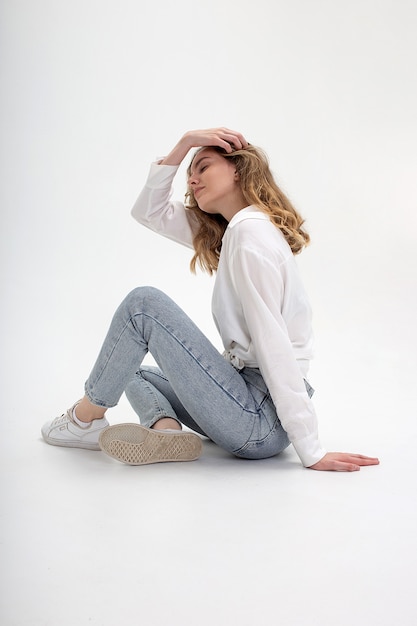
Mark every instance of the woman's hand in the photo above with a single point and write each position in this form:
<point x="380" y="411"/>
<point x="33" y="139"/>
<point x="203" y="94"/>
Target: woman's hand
<point x="225" y="138"/>
<point x="343" y="462"/>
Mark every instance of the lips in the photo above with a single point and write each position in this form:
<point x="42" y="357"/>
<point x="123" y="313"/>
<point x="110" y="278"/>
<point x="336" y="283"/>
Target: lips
<point x="197" y="190"/>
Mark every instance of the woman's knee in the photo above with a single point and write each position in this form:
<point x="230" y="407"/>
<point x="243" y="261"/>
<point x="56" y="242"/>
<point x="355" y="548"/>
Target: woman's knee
<point x="142" y="293"/>
<point x="141" y="297"/>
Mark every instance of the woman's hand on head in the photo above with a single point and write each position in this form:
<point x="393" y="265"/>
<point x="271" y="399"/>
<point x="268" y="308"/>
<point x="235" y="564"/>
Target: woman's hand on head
<point x="343" y="462"/>
<point x="225" y="138"/>
<point x="222" y="137"/>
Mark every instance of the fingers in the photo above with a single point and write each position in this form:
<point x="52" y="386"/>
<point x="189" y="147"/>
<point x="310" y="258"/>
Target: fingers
<point x="360" y="459"/>
<point x="335" y="466"/>
<point x="233" y="138"/>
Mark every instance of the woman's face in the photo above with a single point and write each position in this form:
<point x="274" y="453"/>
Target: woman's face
<point x="214" y="182"/>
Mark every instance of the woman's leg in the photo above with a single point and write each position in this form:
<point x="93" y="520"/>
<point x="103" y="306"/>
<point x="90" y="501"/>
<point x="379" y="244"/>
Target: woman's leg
<point x="223" y="404"/>
<point x="87" y="412"/>
<point x="208" y="387"/>
<point x="150" y="393"/>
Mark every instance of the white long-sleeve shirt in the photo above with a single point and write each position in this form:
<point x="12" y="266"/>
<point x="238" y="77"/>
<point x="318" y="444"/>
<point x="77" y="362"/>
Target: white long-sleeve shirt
<point x="259" y="304"/>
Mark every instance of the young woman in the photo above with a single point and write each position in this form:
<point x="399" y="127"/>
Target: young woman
<point x="254" y="399"/>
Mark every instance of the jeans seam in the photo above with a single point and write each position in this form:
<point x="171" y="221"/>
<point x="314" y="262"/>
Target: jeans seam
<point x="258" y="441"/>
<point x="159" y="411"/>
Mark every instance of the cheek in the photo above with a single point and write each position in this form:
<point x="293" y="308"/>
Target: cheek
<point x="225" y="179"/>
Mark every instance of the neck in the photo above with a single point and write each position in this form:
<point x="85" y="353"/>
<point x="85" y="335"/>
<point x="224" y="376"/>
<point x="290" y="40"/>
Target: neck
<point x="233" y="207"/>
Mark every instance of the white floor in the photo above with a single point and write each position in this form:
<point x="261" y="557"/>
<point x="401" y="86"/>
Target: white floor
<point x="87" y="540"/>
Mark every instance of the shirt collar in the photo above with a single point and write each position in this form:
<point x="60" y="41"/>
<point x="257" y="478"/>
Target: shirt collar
<point x="249" y="212"/>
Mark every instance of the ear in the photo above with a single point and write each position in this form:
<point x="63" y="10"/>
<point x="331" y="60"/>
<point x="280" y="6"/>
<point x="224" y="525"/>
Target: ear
<point x="237" y="177"/>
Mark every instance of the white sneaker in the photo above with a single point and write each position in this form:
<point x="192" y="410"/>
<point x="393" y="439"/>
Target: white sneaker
<point x="136" y="445"/>
<point x="63" y="431"/>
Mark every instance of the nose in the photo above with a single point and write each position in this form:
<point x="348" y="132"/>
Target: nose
<point x="193" y="179"/>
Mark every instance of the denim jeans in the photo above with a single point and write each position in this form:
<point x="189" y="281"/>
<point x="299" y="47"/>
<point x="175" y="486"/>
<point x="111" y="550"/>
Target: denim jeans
<point x="192" y="384"/>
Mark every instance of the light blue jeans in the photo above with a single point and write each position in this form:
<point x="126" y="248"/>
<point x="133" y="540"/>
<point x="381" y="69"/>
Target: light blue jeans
<point x="192" y="384"/>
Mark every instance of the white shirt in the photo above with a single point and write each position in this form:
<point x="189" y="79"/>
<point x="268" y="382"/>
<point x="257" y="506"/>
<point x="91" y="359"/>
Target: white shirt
<point x="259" y="304"/>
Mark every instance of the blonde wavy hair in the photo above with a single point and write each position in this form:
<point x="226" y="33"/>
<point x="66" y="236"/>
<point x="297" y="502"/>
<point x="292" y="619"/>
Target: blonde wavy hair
<point x="259" y="189"/>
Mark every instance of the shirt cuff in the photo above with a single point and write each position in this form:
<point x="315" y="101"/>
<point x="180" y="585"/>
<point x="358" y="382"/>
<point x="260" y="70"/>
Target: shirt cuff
<point x="309" y="450"/>
<point x="161" y="175"/>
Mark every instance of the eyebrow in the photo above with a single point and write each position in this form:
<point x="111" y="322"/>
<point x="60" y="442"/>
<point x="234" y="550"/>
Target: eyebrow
<point x="199" y="161"/>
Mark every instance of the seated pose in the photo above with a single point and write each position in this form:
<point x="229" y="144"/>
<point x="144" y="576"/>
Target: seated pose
<point x="254" y="399"/>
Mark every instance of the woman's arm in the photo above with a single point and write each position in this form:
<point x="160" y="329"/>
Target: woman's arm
<point x="154" y="207"/>
<point x="258" y="283"/>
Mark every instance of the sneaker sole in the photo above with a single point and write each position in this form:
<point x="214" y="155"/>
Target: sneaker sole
<point x="136" y="445"/>
<point x="71" y="444"/>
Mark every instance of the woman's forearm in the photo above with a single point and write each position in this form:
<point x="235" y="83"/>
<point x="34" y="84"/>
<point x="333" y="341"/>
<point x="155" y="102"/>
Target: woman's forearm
<point x="179" y="152"/>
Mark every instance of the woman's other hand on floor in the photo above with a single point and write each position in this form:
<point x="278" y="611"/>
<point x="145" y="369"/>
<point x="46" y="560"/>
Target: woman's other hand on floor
<point x="343" y="462"/>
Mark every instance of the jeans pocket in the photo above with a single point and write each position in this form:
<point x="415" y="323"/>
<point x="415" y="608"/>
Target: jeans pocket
<point x="272" y="444"/>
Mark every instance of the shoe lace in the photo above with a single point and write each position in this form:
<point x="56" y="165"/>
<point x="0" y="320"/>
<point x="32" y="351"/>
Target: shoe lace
<point x="63" y="418"/>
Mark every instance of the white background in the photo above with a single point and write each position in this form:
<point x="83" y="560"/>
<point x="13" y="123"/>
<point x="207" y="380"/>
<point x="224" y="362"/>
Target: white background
<point x="91" y="92"/>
